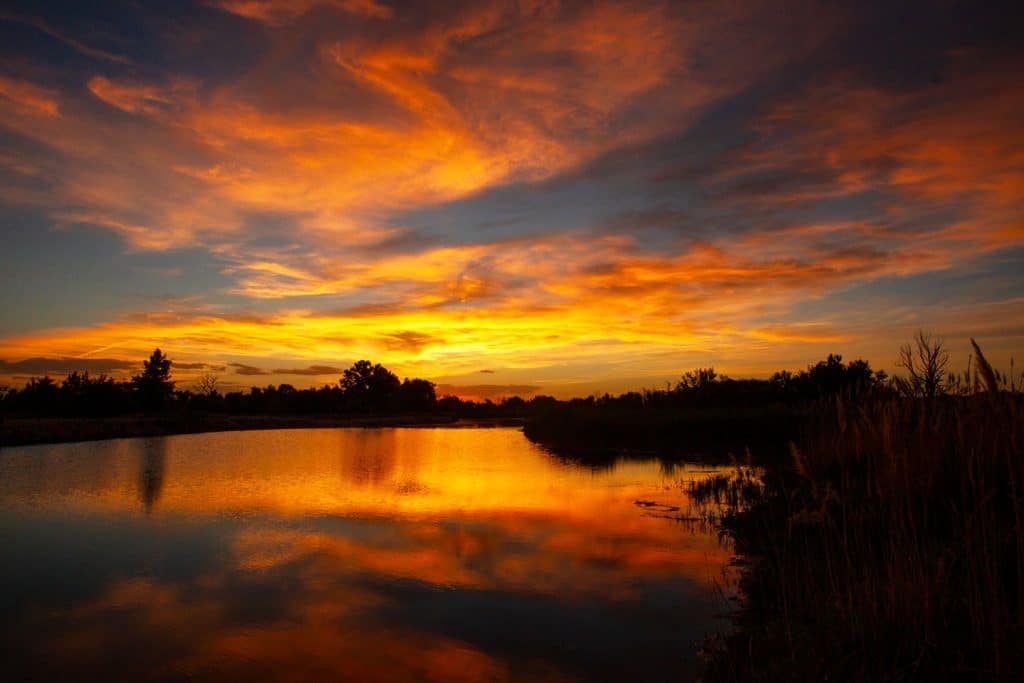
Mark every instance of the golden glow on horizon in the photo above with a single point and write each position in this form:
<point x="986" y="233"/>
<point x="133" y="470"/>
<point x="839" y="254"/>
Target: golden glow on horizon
<point x="576" y="302"/>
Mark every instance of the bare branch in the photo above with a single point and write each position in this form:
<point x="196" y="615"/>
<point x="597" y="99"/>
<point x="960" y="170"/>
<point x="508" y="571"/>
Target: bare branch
<point x="926" y="363"/>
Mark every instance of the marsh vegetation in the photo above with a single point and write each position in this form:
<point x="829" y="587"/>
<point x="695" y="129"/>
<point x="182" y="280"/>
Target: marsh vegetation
<point x="890" y="544"/>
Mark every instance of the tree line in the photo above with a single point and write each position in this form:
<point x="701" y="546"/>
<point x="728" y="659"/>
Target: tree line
<point x="369" y="388"/>
<point x="364" y="388"/>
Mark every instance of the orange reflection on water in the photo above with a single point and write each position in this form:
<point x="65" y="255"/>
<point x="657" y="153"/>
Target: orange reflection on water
<point x="432" y="554"/>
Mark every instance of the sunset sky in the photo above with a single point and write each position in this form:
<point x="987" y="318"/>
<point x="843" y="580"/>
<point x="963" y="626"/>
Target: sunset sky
<point x="531" y="197"/>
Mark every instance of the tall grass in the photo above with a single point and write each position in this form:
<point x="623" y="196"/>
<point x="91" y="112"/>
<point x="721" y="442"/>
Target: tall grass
<point x="891" y="548"/>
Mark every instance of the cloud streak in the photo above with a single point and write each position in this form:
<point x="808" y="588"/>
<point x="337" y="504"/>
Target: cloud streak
<point x="63" y="366"/>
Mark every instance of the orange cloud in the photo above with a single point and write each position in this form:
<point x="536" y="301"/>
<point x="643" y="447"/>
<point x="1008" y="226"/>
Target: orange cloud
<point x="279" y="11"/>
<point x="457" y="106"/>
<point x="24" y="97"/>
<point x="139" y="98"/>
<point x="955" y="145"/>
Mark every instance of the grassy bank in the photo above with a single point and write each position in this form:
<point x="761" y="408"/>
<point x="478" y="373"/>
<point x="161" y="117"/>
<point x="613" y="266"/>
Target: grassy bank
<point x="593" y="434"/>
<point x="890" y="547"/>
<point x="20" y="431"/>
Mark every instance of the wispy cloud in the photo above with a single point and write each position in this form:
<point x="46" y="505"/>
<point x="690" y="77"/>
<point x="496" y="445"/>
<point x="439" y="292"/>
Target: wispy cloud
<point x="28" y="98"/>
<point x="77" y="45"/>
<point x="277" y="12"/>
<point x="140" y="97"/>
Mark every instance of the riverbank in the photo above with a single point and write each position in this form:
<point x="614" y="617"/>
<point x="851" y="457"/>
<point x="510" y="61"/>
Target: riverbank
<point x="24" y="431"/>
<point x="890" y="546"/>
<point x="594" y="435"/>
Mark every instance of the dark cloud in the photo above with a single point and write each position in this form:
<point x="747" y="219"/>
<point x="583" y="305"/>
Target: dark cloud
<point x="243" y="369"/>
<point x="312" y="370"/>
<point x="408" y="341"/>
<point x="199" y="366"/>
<point x="77" y="45"/>
<point x="60" y="366"/>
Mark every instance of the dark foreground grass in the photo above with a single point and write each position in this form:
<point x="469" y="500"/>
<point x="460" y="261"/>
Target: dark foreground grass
<point x="596" y="435"/>
<point x="891" y="547"/>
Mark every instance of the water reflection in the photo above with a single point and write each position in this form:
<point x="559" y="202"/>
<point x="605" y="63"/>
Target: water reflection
<point x="347" y="554"/>
<point x="152" y="462"/>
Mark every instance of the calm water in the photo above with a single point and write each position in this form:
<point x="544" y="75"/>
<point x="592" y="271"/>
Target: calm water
<point x="364" y="555"/>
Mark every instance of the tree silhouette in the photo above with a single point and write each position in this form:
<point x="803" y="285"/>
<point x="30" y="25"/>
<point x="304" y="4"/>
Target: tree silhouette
<point x="154" y="386"/>
<point x="828" y="376"/>
<point x="369" y="387"/>
<point x="208" y="385"/>
<point x="417" y="395"/>
<point x="701" y="378"/>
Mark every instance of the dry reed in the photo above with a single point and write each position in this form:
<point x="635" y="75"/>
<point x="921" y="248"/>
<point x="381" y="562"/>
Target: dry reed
<point x="891" y="547"/>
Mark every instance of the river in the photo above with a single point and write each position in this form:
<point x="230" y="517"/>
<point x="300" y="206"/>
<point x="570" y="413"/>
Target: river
<point x="350" y="554"/>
